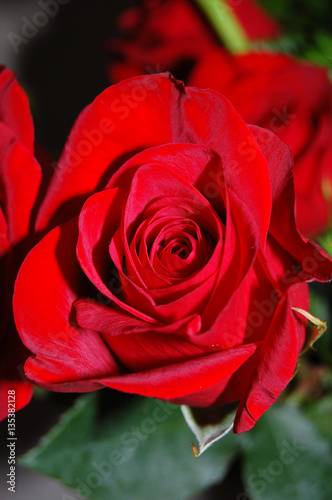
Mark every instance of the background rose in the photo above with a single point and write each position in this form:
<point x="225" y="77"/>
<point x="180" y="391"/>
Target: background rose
<point x="162" y="35"/>
<point x="294" y="100"/>
<point x="20" y="178"/>
<point x="177" y="277"/>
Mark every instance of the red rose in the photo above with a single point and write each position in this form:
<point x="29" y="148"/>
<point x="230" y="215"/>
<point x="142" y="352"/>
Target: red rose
<point x="177" y="277"/>
<point x="19" y="183"/>
<point x="294" y="100"/>
<point x="162" y="35"/>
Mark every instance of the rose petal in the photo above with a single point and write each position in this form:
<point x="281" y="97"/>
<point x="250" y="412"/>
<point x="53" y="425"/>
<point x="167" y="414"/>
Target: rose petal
<point x="98" y="220"/>
<point x="231" y="291"/>
<point x="50" y="275"/>
<point x="98" y="139"/>
<point x="316" y="265"/>
<point x="312" y="184"/>
<point x="180" y="379"/>
<point x="23" y="395"/>
<point x="276" y="360"/>
<point x="144" y="346"/>
<point x="227" y="391"/>
<point x="20" y="178"/>
<point x="14" y="109"/>
<point x="170" y="119"/>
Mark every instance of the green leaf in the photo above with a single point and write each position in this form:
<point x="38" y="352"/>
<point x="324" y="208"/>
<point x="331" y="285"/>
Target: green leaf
<point x="320" y="413"/>
<point x="286" y="457"/>
<point x="208" y="424"/>
<point x="143" y="451"/>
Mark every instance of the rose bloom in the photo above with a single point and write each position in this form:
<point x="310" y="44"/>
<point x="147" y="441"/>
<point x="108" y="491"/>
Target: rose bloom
<point x="174" y="260"/>
<point x="20" y="178"/>
<point x="294" y="100"/>
<point x="162" y="35"/>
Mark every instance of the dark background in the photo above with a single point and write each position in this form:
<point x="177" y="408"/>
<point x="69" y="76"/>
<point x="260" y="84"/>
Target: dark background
<point x="63" y="66"/>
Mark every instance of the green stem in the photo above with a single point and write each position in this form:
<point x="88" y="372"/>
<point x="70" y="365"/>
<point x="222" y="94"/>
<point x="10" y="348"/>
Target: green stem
<point x="226" y="25"/>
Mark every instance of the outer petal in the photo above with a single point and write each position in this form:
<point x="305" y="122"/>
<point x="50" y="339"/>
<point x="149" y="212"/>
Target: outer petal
<point x="43" y="300"/>
<point x="110" y="321"/>
<point x="177" y="380"/>
<point x="139" y="345"/>
<point x="315" y="263"/>
<point x="276" y="360"/>
<point x="293" y="99"/>
<point x="23" y="394"/>
<point x="155" y="110"/>
<point x="124" y="119"/>
<point x="20" y="178"/>
<point x="14" y="108"/>
<point x="226" y="391"/>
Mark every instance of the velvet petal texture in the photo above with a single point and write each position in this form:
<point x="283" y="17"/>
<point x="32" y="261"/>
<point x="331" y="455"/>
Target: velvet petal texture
<point x="20" y="178"/>
<point x="108" y="147"/>
<point x="177" y="380"/>
<point x="15" y="110"/>
<point x="276" y="360"/>
<point x="23" y="393"/>
<point x="176" y="260"/>
<point x="67" y="354"/>
<point x="167" y="113"/>
<point x="311" y="258"/>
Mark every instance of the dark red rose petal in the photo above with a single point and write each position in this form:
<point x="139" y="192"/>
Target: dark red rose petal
<point x="185" y="243"/>
<point x="313" y="260"/>
<point x="14" y="109"/>
<point x="50" y="276"/>
<point x="20" y="177"/>
<point x="170" y="118"/>
<point x="276" y="360"/>
<point x="23" y="395"/>
<point x="137" y="345"/>
<point x="294" y="100"/>
<point x="93" y="315"/>
<point x="94" y="235"/>
<point x="180" y="379"/>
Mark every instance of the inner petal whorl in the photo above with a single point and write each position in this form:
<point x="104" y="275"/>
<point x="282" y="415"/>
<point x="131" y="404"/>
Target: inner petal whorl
<point x="173" y="241"/>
